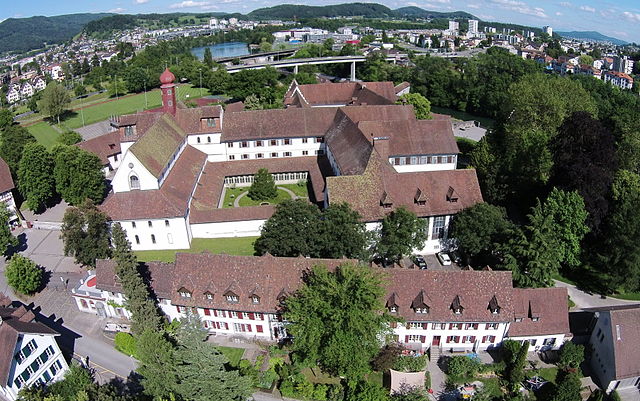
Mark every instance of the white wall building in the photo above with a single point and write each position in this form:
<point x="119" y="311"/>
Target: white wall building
<point x="473" y="27"/>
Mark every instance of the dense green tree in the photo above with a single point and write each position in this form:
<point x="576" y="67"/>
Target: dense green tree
<point x="218" y="81"/>
<point x="7" y="240"/>
<point x="585" y="161"/>
<point x="14" y="138"/>
<point x="200" y="367"/>
<point x="252" y="102"/>
<point x="571" y="355"/>
<point x="139" y="300"/>
<point x="77" y="382"/>
<point x="6" y="118"/>
<point x="364" y="390"/>
<point x="55" y="100"/>
<point x="208" y="57"/>
<point x="569" y="215"/>
<point x="341" y="339"/>
<point x="258" y="82"/>
<point x="515" y="369"/>
<point x="69" y="138"/>
<point x="480" y="228"/>
<point x="421" y="105"/>
<point x="157" y="364"/>
<point x="35" y="176"/>
<point x="401" y="232"/>
<point x="85" y="233"/>
<point x="136" y="79"/>
<point x="290" y="231"/>
<point x="78" y="176"/>
<point x="567" y="387"/>
<point x="263" y="186"/>
<point x="79" y="90"/>
<point x="342" y="233"/>
<point x="23" y="275"/>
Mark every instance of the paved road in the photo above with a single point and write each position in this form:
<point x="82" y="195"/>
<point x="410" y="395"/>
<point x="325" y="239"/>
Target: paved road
<point x="584" y="300"/>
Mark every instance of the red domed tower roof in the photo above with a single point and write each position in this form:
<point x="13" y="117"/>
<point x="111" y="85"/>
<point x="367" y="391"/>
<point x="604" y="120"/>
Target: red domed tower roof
<point x="167" y="77"/>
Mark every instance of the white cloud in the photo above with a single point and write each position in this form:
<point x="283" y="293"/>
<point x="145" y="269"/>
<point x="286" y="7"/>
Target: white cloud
<point x="565" y="4"/>
<point x="117" y="10"/>
<point x="509" y="2"/>
<point x="441" y="1"/>
<point x="520" y="7"/>
<point x="633" y="17"/>
<point x="474" y="6"/>
<point x="558" y="13"/>
<point x="189" y="4"/>
<point x="140" y="1"/>
<point x="588" y="9"/>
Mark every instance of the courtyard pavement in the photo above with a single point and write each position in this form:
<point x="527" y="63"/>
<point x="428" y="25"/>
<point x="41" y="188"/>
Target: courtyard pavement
<point x="53" y="214"/>
<point x="474" y="133"/>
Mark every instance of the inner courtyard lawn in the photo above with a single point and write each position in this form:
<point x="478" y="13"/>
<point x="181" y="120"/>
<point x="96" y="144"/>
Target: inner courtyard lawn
<point x="231" y="246"/>
<point x="231" y="194"/>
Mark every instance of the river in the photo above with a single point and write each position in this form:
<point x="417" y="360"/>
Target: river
<point x="229" y="49"/>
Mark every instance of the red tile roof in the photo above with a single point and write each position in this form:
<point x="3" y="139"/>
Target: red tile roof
<point x="626" y="349"/>
<point x="474" y="290"/>
<point x="355" y="93"/>
<point x="447" y="191"/>
<point x="103" y="146"/>
<point x="533" y="303"/>
<point x="6" y="182"/>
<point x="160" y="277"/>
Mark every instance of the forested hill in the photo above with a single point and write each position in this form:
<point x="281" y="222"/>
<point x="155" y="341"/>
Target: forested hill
<point x="417" y="12"/>
<point x="592" y="35"/>
<point x="289" y="11"/>
<point x="24" y="34"/>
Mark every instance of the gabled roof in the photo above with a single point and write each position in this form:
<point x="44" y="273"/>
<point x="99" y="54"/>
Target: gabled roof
<point x="625" y="334"/>
<point x="549" y="305"/>
<point x="345" y="93"/>
<point x="160" y="276"/>
<point x="6" y="181"/>
<point x="103" y="146"/>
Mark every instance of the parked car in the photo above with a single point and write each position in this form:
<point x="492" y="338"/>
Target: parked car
<point x="455" y="256"/>
<point x="444" y="258"/>
<point x="117" y="327"/>
<point x="420" y="262"/>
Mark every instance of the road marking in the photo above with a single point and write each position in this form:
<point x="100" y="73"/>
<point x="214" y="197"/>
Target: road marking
<point x="104" y="370"/>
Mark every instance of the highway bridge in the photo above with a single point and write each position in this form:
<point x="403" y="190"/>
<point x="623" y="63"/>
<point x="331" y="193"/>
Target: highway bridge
<point x="295" y="63"/>
<point x="270" y="55"/>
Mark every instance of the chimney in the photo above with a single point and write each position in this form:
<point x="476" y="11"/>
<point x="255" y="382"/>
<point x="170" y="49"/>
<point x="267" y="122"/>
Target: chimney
<point x="381" y="144"/>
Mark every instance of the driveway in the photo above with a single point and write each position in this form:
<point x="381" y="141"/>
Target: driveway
<point x="584" y="300"/>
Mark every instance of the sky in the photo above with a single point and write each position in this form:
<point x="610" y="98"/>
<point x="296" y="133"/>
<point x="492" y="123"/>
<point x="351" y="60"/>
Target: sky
<point x="620" y="19"/>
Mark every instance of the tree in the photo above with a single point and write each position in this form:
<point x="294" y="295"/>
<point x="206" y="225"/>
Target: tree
<point x="69" y="138"/>
<point x="78" y="176"/>
<point x="571" y="355"/>
<point x="35" y="176"/>
<point x="400" y="233"/>
<point x="139" y="299"/>
<point x="157" y="364"/>
<point x="421" y="105"/>
<point x="23" y="275"/>
<point x="515" y="370"/>
<point x="208" y="57"/>
<point x="252" y="102"/>
<point x="290" y="231"/>
<point x="584" y="160"/>
<point x="569" y="216"/>
<point x="567" y="387"/>
<point x="7" y="240"/>
<point x="77" y="381"/>
<point x="364" y="390"/>
<point x="342" y="340"/>
<point x="55" y="100"/>
<point x="85" y="234"/>
<point x="6" y="118"/>
<point x="136" y="79"/>
<point x="14" y="138"/>
<point x="342" y="233"/>
<point x="479" y="228"/>
<point x="387" y="357"/>
<point x="265" y="46"/>
<point x="263" y="186"/>
<point x="200" y="367"/>
<point x="79" y="90"/>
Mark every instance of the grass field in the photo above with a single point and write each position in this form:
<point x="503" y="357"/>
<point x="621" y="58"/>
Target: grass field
<point x="233" y="354"/>
<point x="44" y="133"/>
<point x="231" y="194"/>
<point x="231" y="246"/>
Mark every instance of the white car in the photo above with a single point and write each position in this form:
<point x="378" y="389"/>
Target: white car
<point x="444" y="258"/>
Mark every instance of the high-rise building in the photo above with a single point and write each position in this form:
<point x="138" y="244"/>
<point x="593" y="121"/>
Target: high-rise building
<point x="473" y="26"/>
<point x="548" y="30"/>
<point x="454" y="26"/>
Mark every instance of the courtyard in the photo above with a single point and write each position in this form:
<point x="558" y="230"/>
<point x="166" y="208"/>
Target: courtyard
<point x="238" y="196"/>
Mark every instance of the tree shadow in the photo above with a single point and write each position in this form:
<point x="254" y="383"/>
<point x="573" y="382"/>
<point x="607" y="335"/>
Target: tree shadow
<point x="21" y="247"/>
<point x="66" y="115"/>
<point x="67" y="338"/>
<point x="46" y="278"/>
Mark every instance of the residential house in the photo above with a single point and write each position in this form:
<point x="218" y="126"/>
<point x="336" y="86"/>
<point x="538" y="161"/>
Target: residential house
<point x="619" y="79"/>
<point x="584" y="69"/>
<point x="445" y="311"/>
<point x="26" y="90"/>
<point x="107" y="148"/>
<point x="38" y="83"/>
<point x="29" y="353"/>
<point x="615" y="356"/>
<point x="13" y="94"/>
<point x="6" y="190"/>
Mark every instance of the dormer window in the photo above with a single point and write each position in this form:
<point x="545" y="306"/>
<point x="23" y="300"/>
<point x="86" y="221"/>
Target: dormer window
<point x="535" y="319"/>
<point x="452" y="195"/>
<point x="208" y="295"/>
<point x="393" y="309"/>
<point x="211" y="122"/>
<point x="255" y="299"/>
<point x="456" y="306"/>
<point x="419" y="304"/>
<point x="518" y="319"/>
<point x="231" y="297"/>
<point x="184" y="293"/>
<point x="386" y="201"/>
<point x="420" y="197"/>
<point x="493" y="305"/>
<point x="422" y="310"/>
<point x="129" y="130"/>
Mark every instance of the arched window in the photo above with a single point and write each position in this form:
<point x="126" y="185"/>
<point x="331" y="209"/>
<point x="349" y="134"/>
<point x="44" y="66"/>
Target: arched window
<point x="134" y="182"/>
<point x="209" y="139"/>
<point x="198" y="139"/>
<point x="137" y="240"/>
<point x="153" y="239"/>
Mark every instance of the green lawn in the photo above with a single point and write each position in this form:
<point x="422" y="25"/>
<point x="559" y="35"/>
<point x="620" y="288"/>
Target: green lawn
<point x="316" y="376"/>
<point x="231" y="246"/>
<point x="631" y="296"/>
<point x="44" y="133"/>
<point x="549" y="374"/>
<point x="231" y="194"/>
<point x="233" y="354"/>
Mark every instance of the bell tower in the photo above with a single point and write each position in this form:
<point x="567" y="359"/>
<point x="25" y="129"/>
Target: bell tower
<point x="168" y="91"/>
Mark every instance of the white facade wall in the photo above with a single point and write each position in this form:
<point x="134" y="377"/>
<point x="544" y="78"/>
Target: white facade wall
<point x="542" y="343"/>
<point x="170" y="233"/>
<point x="296" y="148"/>
<point x="115" y="161"/>
<point x="49" y="370"/>
<point x="463" y="333"/>
<point x="407" y="164"/>
<point x="7" y="198"/>
<point x="246" y="228"/>
<point x="432" y="245"/>
<point x="209" y="144"/>
<point x="130" y="165"/>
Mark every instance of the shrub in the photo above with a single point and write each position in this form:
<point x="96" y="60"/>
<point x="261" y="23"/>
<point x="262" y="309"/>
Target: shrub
<point x="571" y="356"/>
<point x="387" y="357"/>
<point x="23" y="275"/>
<point x="320" y="392"/>
<point x="463" y="366"/>
<point x="69" y="138"/>
<point x="263" y="187"/>
<point x="410" y="363"/>
<point x="125" y="343"/>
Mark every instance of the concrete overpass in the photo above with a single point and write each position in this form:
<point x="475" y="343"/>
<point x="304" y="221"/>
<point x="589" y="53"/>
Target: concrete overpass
<point x="295" y="63"/>
<point x="269" y="55"/>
